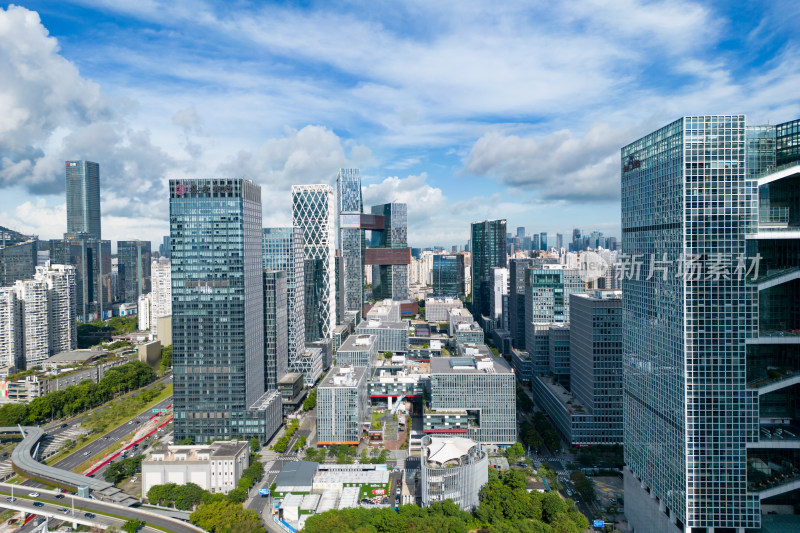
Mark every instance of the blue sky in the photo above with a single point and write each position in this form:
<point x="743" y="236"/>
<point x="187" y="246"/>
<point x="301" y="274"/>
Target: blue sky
<point x="464" y="110"/>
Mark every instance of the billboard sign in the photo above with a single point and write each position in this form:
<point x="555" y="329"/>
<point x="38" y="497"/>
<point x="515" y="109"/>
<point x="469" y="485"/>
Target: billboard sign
<point x="599" y="523"/>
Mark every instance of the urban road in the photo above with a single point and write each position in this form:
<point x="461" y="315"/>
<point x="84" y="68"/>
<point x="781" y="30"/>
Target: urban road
<point x="84" y="504"/>
<point x="79" y="457"/>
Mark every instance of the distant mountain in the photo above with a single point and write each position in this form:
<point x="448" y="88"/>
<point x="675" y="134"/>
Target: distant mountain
<point x="9" y="236"/>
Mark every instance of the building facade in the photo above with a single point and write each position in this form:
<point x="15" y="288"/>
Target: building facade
<point x="342" y="406"/>
<point x="83" y="198"/>
<point x="696" y="460"/>
<point x="276" y="343"/>
<point x="161" y="292"/>
<point x="447" y="276"/>
<point x="516" y="300"/>
<point x="314" y="212"/>
<point x="218" y="311"/>
<point x="351" y="236"/>
<point x="133" y="269"/>
<point x="455" y="469"/>
<point x="283" y="250"/>
<point x="484" y="387"/>
<point x="18" y="261"/>
<point x="488" y="250"/>
<point x="390" y="277"/>
<point x="596" y="358"/>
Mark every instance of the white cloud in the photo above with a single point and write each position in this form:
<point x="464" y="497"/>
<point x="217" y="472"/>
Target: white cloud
<point x="558" y="166"/>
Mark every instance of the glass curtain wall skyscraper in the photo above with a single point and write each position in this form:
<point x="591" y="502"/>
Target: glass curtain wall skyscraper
<point x="391" y="280"/>
<point x="314" y="212"/>
<point x="283" y="250"/>
<point x="134" y="269"/>
<point x="447" y="275"/>
<point x="488" y="250"/>
<point x="83" y="198"/>
<point x="351" y="236"/>
<point x="688" y="413"/>
<point x="218" y="311"/>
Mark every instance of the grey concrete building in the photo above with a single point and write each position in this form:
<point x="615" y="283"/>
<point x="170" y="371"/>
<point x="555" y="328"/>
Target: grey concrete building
<point x="342" y="405"/>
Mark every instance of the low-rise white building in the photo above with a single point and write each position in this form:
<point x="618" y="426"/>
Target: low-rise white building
<point x="216" y="467"/>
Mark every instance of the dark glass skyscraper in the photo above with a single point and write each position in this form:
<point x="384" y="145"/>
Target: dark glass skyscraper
<point x="283" y="250"/>
<point x="134" y="269"/>
<point x="218" y="311"/>
<point x="390" y="280"/>
<point x="351" y="236"/>
<point x="276" y="352"/>
<point x="92" y="261"/>
<point x="83" y="198"/>
<point x="516" y="300"/>
<point x="447" y="275"/>
<point x="488" y="250"/>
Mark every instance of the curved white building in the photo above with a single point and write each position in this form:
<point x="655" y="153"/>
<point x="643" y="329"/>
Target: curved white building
<point x="454" y="468"/>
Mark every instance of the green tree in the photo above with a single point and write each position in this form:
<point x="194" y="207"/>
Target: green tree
<point x="244" y="483"/>
<point x="133" y="525"/>
<point x="254" y="445"/>
<point x="166" y="359"/>
<point x="514" y="452"/>
<point x="224" y="516"/>
<point x="237" y="495"/>
<point x="311" y="400"/>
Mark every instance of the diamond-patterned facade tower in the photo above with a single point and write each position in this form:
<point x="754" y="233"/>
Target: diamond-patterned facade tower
<point x="314" y="211"/>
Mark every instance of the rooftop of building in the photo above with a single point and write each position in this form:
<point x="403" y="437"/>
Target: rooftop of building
<point x="474" y="349"/>
<point x="461" y="312"/>
<point x="477" y="364"/>
<point x="296" y="474"/>
<point x="444" y="300"/>
<point x="379" y="324"/>
<point x="198" y="453"/>
<point x="358" y="343"/>
<point x="468" y="326"/>
<point x="76" y="356"/>
<point x="355" y="474"/>
<point x="444" y="451"/>
<point x="572" y="404"/>
<point x="290" y="378"/>
<point x="345" y="376"/>
<point x="600" y="294"/>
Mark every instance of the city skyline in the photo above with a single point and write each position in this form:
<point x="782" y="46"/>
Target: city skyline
<point x="460" y="133"/>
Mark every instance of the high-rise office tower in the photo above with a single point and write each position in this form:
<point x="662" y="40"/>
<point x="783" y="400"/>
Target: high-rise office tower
<point x="516" y="300"/>
<point x="161" y="293"/>
<point x="559" y="242"/>
<point x="521" y="232"/>
<point x="447" y="275"/>
<point x="83" y="198"/>
<point x="314" y="212"/>
<point x="133" y="269"/>
<point x="163" y="248"/>
<point x="351" y="236"/>
<point x="389" y="253"/>
<point x="283" y="250"/>
<point x="543" y="241"/>
<point x="218" y="312"/>
<point x="705" y="404"/>
<point x="535" y="242"/>
<point x="93" y="280"/>
<point x="276" y="343"/>
<point x="499" y="292"/>
<point x="18" y="261"/>
<point x="488" y="250"/>
<point x="596" y="363"/>
<point x="547" y="293"/>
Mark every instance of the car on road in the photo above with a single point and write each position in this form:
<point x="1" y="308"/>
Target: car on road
<point x="38" y="504"/>
<point x="85" y="454"/>
<point x="59" y="496"/>
<point x="10" y="499"/>
<point x="33" y="494"/>
<point x="88" y="515"/>
<point x="64" y="425"/>
<point x="63" y="510"/>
